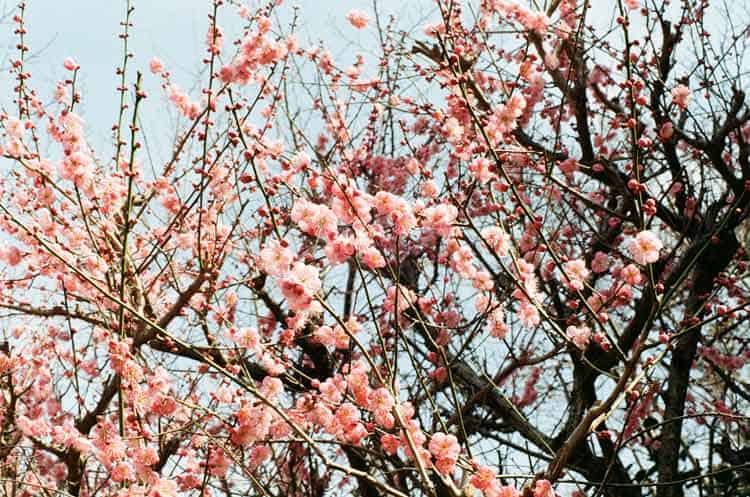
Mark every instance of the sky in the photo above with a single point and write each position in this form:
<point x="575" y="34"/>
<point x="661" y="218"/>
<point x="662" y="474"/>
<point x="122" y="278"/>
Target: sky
<point x="172" y="30"/>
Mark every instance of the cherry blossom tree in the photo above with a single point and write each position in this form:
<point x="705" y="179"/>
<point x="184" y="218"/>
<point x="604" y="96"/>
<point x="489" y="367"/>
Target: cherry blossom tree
<point x="502" y="255"/>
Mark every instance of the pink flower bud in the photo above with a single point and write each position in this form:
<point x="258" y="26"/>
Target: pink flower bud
<point x="155" y="66"/>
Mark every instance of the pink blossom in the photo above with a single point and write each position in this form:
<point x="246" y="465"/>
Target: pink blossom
<point x="666" y="131"/>
<point x="528" y="241"/>
<point x="445" y="449"/>
<point x="254" y="424"/>
<point x="645" y="247"/>
<point x="483" y="478"/>
<point x="537" y="21"/>
<point x="70" y="64"/>
<point x="380" y="399"/>
<point x="496" y="323"/>
<point x="340" y="249"/>
<point x="543" y="488"/>
<point x="600" y="263"/>
<point x="528" y="314"/>
<point x="244" y="12"/>
<point x="632" y="4"/>
<point x="247" y="337"/>
<point x="631" y="274"/>
<point x="373" y="259"/>
<point x="11" y="255"/>
<point x="440" y="218"/>
<point x="498" y="239"/>
<point x="314" y="219"/>
<point x="271" y="387"/>
<point x="390" y="443"/>
<point x="358" y="19"/>
<point x="432" y="29"/>
<point x="504" y="118"/>
<point x="579" y="335"/>
<point x="163" y="488"/>
<point x="480" y="167"/>
<point x="324" y="336"/>
<point x="122" y="472"/>
<point x="569" y="166"/>
<point x="413" y="166"/>
<point x="461" y="262"/>
<point x="429" y="189"/>
<point x="275" y="258"/>
<point x="301" y="161"/>
<point x="14" y="128"/>
<point x="340" y="337"/>
<point x="681" y="96"/>
<point x="576" y="273"/>
<point x="76" y="167"/>
<point x="534" y="21"/>
<point x="397" y="210"/>
<point x="453" y="130"/>
<point x="144" y="458"/>
<point x="181" y="100"/>
<point x="300" y="286"/>
<point x="399" y="297"/>
<point x="218" y="462"/>
<point x="155" y="66"/>
<point x="347" y="415"/>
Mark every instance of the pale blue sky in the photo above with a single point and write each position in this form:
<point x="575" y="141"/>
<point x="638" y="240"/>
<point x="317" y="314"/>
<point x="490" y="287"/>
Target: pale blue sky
<point x="174" y="31"/>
